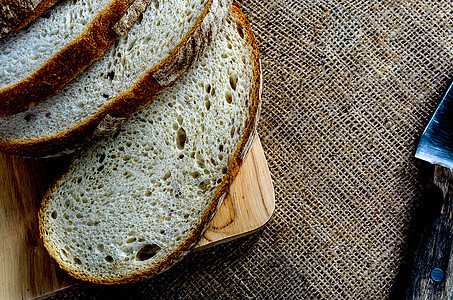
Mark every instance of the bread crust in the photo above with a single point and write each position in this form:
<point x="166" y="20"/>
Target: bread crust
<point x="16" y="14"/>
<point x="67" y="63"/>
<point x="141" y="93"/>
<point x="221" y="190"/>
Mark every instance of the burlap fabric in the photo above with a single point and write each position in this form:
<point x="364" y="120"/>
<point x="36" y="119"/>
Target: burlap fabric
<point x="349" y="87"/>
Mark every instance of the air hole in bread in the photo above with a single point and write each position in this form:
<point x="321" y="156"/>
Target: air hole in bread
<point x="131" y="240"/>
<point x="148" y="194"/>
<point x="105" y="96"/>
<point x="214" y="162"/>
<point x="100" y="247"/>
<point x="100" y="168"/>
<point x="180" y="120"/>
<point x="29" y="117"/>
<point x="147" y="251"/>
<point x="208" y="89"/>
<point x="195" y="174"/>
<point x="221" y="148"/>
<point x="54" y="214"/>
<point x="156" y="3"/>
<point x="240" y="30"/>
<point x="167" y="175"/>
<point x="181" y="138"/>
<point x="208" y="104"/>
<point x="200" y="163"/>
<point x="224" y="170"/>
<point x="101" y="158"/>
<point x="46" y="15"/>
<point x="233" y="81"/>
<point x="77" y="261"/>
<point x="108" y="259"/>
<point x="111" y="75"/>
<point x="64" y="253"/>
<point x="228" y="97"/>
<point x="115" y="135"/>
<point x="204" y="184"/>
<point x="181" y="156"/>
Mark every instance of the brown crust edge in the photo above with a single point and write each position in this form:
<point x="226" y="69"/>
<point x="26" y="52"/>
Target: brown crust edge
<point x="142" y="93"/>
<point x="28" y="17"/>
<point x="222" y="189"/>
<point x="66" y="64"/>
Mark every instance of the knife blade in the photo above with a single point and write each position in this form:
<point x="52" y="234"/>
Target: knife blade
<point x="436" y="144"/>
<point x="432" y="273"/>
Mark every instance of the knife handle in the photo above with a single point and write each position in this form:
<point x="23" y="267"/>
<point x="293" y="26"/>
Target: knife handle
<point x="431" y="276"/>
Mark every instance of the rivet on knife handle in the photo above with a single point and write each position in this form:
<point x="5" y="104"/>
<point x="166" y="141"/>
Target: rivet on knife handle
<point x="431" y="276"/>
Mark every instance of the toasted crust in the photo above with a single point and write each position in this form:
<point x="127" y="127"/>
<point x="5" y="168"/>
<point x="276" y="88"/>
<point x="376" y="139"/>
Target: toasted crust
<point x="222" y="189"/>
<point x="16" y="14"/>
<point x="141" y="93"/>
<point x="67" y="63"/>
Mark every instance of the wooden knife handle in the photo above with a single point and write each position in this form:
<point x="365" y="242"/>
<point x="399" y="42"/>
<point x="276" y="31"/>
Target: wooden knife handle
<point x="431" y="276"/>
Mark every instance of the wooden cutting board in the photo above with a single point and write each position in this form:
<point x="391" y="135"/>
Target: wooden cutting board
<point x="27" y="271"/>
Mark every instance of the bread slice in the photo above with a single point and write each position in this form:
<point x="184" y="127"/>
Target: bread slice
<point x="133" y="204"/>
<point x="15" y="14"/>
<point x="39" y="60"/>
<point x="126" y="77"/>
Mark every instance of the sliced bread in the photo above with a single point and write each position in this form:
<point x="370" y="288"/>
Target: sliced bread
<point x="15" y="14"/>
<point x="39" y="60"/>
<point x="126" y="77"/>
<point x="133" y="204"/>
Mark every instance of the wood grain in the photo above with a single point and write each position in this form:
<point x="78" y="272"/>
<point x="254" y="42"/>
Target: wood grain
<point x="249" y="204"/>
<point x="27" y="271"/>
<point x="436" y="248"/>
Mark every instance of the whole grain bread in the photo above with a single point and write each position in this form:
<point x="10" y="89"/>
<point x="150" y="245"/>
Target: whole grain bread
<point x="130" y="74"/>
<point x="16" y="14"/>
<point x="40" y="59"/>
<point x="133" y="204"/>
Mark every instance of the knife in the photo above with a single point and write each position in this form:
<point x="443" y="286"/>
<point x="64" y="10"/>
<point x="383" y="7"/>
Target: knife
<point x="432" y="273"/>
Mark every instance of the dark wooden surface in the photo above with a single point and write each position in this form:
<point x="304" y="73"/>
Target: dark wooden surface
<point x="435" y="248"/>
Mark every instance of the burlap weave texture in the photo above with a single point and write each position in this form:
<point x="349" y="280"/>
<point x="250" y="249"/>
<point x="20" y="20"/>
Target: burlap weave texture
<point x="348" y="88"/>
